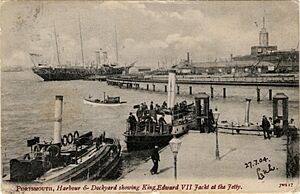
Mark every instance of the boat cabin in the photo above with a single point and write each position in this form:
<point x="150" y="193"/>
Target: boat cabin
<point x="112" y="99"/>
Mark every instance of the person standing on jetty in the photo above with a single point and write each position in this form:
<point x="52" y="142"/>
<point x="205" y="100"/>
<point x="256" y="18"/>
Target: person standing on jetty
<point x="266" y="126"/>
<point x="278" y="131"/>
<point x="155" y="158"/>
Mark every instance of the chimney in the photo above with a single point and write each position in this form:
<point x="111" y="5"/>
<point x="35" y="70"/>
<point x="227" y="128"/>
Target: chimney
<point x="171" y="89"/>
<point x="58" y="119"/>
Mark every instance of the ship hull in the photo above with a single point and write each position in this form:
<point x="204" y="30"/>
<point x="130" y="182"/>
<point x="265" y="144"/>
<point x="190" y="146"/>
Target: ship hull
<point x="99" y="165"/>
<point x="240" y="129"/>
<point x="72" y="73"/>
<point x="142" y="141"/>
<point x="93" y="103"/>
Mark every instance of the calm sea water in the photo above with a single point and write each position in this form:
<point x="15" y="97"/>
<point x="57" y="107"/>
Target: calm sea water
<point x="27" y="109"/>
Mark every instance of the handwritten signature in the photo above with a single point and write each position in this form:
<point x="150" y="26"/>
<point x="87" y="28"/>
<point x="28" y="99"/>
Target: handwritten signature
<point x="261" y="173"/>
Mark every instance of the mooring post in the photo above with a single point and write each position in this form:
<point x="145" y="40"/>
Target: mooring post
<point x="258" y="94"/>
<point x="178" y="89"/>
<point x="153" y="87"/>
<point x="211" y="92"/>
<point x="191" y="90"/>
<point x="166" y="88"/>
<point x="147" y="86"/>
<point x="270" y="94"/>
<point x="224" y="92"/>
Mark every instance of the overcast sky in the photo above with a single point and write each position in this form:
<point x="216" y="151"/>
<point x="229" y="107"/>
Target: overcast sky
<point x="147" y="31"/>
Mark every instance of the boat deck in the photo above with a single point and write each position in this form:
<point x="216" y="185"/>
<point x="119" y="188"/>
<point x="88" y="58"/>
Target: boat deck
<point x="62" y="172"/>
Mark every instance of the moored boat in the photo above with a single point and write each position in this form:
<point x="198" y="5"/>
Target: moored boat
<point x="246" y="128"/>
<point x="71" y="157"/>
<point x="157" y="127"/>
<point x="107" y="101"/>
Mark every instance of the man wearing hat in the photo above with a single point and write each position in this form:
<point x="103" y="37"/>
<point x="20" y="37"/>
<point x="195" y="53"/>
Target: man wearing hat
<point x="132" y="122"/>
<point x="155" y="159"/>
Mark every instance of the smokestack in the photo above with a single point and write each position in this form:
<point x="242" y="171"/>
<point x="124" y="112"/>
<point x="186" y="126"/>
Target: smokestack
<point x="188" y="57"/>
<point x="247" y="113"/>
<point x="171" y="88"/>
<point x="58" y="119"/>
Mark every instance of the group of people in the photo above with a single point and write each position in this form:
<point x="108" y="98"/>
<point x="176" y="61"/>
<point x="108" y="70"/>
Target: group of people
<point x="147" y="117"/>
<point x="277" y="129"/>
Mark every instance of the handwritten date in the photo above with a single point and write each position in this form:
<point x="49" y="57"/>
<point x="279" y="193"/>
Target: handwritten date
<point x="256" y="162"/>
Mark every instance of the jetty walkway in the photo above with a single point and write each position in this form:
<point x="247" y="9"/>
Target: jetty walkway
<point x="282" y="81"/>
<point x="197" y="162"/>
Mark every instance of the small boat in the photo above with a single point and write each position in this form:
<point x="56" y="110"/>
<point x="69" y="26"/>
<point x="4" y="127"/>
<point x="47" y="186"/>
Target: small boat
<point x="71" y="157"/>
<point x="245" y="128"/>
<point x="235" y="128"/>
<point x="108" y="101"/>
<point x="150" y="132"/>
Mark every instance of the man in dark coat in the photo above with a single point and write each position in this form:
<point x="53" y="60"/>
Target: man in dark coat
<point x="132" y="122"/>
<point x="162" y="122"/>
<point x="211" y="121"/>
<point x="155" y="158"/>
<point x="277" y="130"/>
<point x="266" y="126"/>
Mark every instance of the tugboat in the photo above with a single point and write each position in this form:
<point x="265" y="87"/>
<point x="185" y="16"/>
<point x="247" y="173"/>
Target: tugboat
<point x="159" y="127"/>
<point x="71" y="157"/>
<point x="109" y="101"/>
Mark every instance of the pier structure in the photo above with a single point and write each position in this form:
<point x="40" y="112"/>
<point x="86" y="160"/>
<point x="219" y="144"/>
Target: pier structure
<point x="261" y="94"/>
<point x="207" y="168"/>
<point x="283" y="153"/>
<point x="271" y="81"/>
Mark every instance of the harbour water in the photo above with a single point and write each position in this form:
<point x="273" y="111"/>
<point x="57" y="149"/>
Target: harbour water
<point x="27" y="109"/>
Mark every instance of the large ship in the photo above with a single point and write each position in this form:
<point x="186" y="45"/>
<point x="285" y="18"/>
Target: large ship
<point x="60" y="73"/>
<point x="75" y="72"/>
<point x="71" y="157"/>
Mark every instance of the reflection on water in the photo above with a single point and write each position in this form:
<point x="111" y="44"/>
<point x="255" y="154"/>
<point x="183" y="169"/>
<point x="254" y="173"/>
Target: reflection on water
<point x="28" y="109"/>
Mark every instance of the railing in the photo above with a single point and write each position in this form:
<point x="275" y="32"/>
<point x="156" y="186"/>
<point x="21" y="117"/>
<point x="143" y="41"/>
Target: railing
<point x="261" y="79"/>
<point x="148" y="128"/>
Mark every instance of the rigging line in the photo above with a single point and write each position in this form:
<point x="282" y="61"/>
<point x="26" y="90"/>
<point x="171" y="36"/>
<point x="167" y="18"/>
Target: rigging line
<point x="55" y="37"/>
<point x="81" y="44"/>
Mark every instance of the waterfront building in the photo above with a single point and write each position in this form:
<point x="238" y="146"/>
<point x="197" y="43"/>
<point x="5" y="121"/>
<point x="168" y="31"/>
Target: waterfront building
<point x="262" y="59"/>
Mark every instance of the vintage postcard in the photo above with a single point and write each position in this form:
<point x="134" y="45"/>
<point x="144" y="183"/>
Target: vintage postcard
<point x="149" y="96"/>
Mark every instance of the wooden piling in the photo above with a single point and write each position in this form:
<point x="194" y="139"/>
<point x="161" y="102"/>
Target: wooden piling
<point x="211" y="92"/>
<point x="224" y="92"/>
<point x="258" y="94"/>
<point x="153" y="87"/>
<point x="166" y="90"/>
<point x="178" y="92"/>
<point x="191" y="90"/>
<point x="147" y="86"/>
<point x="270" y="94"/>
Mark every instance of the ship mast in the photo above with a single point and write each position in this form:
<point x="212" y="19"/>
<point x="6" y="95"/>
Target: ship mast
<point x="81" y="45"/>
<point x="117" y="51"/>
<point x="56" y="44"/>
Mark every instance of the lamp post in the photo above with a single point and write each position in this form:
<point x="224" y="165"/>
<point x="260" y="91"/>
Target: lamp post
<point x="175" y="144"/>
<point x="216" y="115"/>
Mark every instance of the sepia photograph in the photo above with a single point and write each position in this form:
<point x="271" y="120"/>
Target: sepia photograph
<point x="149" y="96"/>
